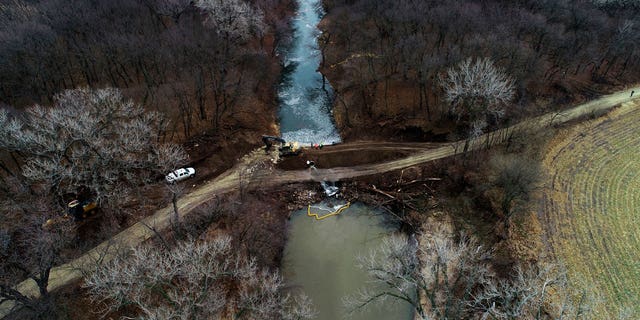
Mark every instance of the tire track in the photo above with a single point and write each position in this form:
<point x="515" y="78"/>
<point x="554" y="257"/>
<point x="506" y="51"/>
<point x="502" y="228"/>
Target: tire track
<point x="591" y="207"/>
<point x="231" y="180"/>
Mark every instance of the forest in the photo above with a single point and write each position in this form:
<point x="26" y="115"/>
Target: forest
<point x="386" y="59"/>
<point x="100" y="99"/>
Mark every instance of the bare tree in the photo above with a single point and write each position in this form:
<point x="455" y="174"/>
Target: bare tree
<point x="534" y="292"/>
<point x="477" y="91"/>
<point x="176" y="191"/>
<point x="622" y="47"/>
<point x="445" y="278"/>
<point x="234" y="22"/>
<point x="444" y="271"/>
<point x="170" y="8"/>
<point x="616" y="3"/>
<point x="91" y="139"/>
<point x="30" y="252"/>
<point x="194" y="281"/>
<point x="234" y="19"/>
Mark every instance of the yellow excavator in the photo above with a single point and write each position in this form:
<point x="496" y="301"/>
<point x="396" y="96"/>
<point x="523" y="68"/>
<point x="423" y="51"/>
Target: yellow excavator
<point x="76" y="210"/>
<point x="286" y="149"/>
<point x="81" y="211"/>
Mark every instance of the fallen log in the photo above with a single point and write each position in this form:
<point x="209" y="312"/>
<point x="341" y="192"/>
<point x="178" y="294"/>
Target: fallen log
<point x="404" y="203"/>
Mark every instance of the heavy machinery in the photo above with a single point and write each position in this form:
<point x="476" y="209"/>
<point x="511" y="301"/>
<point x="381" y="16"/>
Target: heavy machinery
<point x="269" y="140"/>
<point x="76" y="210"/>
<point x="290" y="149"/>
<point x="81" y="210"/>
<point x="285" y="149"/>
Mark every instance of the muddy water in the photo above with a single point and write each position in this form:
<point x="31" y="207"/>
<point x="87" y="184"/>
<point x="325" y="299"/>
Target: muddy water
<point x="320" y="260"/>
<point x="320" y="256"/>
<point x="305" y="98"/>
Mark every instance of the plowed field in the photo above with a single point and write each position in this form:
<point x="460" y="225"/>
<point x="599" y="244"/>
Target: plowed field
<point x="592" y="207"/>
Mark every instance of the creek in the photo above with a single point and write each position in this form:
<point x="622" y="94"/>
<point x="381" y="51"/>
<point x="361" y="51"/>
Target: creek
<point x="320" y="257"/>
<point x="305" y="96"/>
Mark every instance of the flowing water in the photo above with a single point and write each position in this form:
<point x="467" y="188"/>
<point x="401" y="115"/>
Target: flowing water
<point x="321" y="257"/>
<point x="305" y="98"/>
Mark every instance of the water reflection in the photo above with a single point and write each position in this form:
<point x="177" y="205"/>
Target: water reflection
<point x="320" y="259"/>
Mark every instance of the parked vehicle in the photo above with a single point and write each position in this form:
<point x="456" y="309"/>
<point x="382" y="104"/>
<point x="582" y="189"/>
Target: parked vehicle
<point x="180" y="174"/>
<point x="81" y="210"/>
<point x="76" y="210"/>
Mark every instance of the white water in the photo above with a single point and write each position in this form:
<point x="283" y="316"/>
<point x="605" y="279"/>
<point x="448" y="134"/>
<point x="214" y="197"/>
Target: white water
<point x="329" y="188"/>
<point x="305" y="107"/>
<point x="320" y="256"/>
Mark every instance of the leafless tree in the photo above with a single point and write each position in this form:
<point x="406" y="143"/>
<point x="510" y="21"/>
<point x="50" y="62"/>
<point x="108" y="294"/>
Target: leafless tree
<point x="623" y="47"/>
<point x="445" y="278"/>
<point x="193" y="225"/>
<point x="477" y="91"/>
<point x="234" y="19"/>
<point x="30" y="252"/>
<point x="443" y="270"/>
<point x="616" y="3"/>
<point x="176" y="191"/>
<point x="534" y="292"/>
<point x="170" y="8"/>
<point x="91" y="141"/>
<point x="16" y="11"/>
<point x="205" y="52"/>
<point x="90" y="138"/>
<point x="194" y="281"/>
<point x="234" y="22"/>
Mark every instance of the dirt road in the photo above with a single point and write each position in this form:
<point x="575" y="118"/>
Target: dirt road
<point x="245" y="173"/>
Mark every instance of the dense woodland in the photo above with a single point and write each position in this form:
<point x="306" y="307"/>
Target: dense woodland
<point x="204" y="65"/>
<point x="98" y="100"/>
<point x="386" y="59"/>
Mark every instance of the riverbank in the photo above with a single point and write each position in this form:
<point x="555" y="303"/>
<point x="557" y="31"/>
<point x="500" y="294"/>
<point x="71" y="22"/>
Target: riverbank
<point x="254" y="212"/>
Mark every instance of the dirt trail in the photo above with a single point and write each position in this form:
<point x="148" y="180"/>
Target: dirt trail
<point x="248" y="174"/>
<point x="376" y="146"/>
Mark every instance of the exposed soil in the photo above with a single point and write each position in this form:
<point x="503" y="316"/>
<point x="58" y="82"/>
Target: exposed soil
<point x="352" y="154"/>
<point x="256" y="171"/>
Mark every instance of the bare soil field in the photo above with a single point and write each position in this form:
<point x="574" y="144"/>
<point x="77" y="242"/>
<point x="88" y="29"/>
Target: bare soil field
<point x="591" y="205"/>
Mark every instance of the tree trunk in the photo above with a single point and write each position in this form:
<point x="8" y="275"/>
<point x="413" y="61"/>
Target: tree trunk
<point x="174" y="202"/>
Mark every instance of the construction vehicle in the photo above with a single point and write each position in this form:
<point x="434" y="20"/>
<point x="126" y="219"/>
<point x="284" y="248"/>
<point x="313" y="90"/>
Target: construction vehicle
<point x="285" y="149"/>
<point x="269" y="140"/>
<point x="76" y="210"/>
<point x="290" y="149"/>
<point x="80" y="210"/>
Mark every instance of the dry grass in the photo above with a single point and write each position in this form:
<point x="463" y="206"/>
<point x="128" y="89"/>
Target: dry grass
<point x="591" y="207"/>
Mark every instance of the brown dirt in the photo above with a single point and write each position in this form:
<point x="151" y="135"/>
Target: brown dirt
<point x="392" y="110"/>
<point x="353" y="154"/>
<point x="256" y="171"/>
